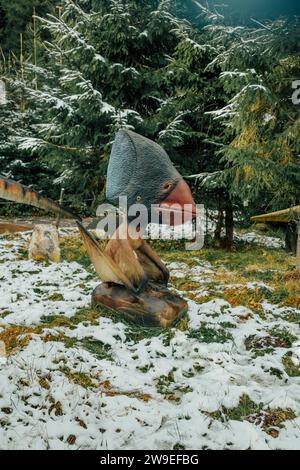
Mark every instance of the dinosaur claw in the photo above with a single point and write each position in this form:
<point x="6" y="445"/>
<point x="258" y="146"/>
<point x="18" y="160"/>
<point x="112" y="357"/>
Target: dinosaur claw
<point x="166" y="276"/>
<point x="142" y="286"/>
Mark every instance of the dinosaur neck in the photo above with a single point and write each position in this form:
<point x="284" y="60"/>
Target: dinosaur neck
<point x="126" y="231"/>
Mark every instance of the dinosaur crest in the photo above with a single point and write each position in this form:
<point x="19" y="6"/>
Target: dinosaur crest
<point x="138" y="167"/>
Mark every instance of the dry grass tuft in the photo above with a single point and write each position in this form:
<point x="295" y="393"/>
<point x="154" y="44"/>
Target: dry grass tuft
<point x="108" y="391"/>
<point x="16" y="337"/>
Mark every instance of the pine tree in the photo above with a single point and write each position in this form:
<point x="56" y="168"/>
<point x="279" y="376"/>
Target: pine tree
<point x="192" y="130"/>
<point x="16" y="18"/>
<point x="261" y="124"/>
<point x="105" y="68"/>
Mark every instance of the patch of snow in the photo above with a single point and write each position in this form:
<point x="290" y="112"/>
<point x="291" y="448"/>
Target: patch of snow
<point x="129" y="402"/>
<point x="262" y="240"/>
<point x="268" y="117"/>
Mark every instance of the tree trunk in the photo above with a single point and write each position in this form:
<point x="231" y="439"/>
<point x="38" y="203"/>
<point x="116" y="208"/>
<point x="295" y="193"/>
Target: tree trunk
<point x="229" y="227"/>
<point x="218" y="230"/>
<point x="291" y="234"/>
<point x="298" y="251"/>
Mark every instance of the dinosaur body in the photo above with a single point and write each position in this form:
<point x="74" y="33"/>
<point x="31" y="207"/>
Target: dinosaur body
<point x="127" y="261"/>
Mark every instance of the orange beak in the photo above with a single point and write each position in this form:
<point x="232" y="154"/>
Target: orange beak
<point x="179" y="206"/>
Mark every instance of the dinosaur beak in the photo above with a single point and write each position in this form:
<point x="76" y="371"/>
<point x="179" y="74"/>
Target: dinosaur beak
<point x="179" y="204"/>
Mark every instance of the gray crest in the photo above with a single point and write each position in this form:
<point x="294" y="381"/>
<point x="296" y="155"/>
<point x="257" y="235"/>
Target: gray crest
<point x="138" y="167"/>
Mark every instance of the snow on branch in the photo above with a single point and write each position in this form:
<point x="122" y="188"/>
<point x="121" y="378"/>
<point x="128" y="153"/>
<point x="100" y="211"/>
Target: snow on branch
<point x="65" y="34"/>
<point x="71" y="7"/>
<point x="31" y="144"/>
<point x="125" y="118"/>
<point x="50" y="99"/>
<point x="226" y="112"/>
<point x="231" y="109"/>
<point x="210" y="15"/>
<point x="163" y="13"/>
<point x="172" y="131"/>
<point x="208" y="180"/>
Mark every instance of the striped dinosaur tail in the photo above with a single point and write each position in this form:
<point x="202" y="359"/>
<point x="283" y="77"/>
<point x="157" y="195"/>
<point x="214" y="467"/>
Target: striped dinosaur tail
<point x="16" y="192"/>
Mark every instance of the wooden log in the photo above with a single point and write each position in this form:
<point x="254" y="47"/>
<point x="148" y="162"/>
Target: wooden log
<point x="286" y="215"/>
<point x="156" y="306"/>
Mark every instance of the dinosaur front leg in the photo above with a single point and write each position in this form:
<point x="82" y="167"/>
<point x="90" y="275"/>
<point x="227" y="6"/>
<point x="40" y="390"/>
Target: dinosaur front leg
<point x="121" y="249"/>
<point x="107" y="269"/>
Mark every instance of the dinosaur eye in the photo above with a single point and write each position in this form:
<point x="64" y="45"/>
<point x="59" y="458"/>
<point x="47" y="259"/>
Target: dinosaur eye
<point x="138" y="198"/>
<point x="167" y="186"/>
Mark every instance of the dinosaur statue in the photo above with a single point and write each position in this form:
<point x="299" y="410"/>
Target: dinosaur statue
<point x="134" y="279"/>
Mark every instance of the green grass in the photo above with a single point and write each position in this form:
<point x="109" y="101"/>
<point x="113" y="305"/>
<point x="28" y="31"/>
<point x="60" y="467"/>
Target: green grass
<point x="245" y="408"/>
<point x="235" y="260"/>
<point x="206" y="334"/>
<point x="97" y="348"/>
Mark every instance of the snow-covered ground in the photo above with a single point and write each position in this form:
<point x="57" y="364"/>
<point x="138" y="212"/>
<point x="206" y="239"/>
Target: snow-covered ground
<point x="99" y="383"/>
<point x="259" y="239"/>
<point x="187" y="231"/>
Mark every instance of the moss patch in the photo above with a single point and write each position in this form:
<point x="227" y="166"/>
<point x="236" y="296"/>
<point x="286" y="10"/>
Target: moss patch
<point x="245" y="408"/>
<point x="167" y="386"/>
<point x="56" y="297"/>
<point x="98" y="348"/>
<point x="292" y="369"/>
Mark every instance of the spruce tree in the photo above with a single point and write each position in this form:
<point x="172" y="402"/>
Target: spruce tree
<point x="261" y="138"/>
<point x="105" y="67"/>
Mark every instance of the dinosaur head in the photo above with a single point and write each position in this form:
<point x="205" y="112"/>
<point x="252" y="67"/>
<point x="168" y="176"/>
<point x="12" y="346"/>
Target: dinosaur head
<point x="141" y="170"/>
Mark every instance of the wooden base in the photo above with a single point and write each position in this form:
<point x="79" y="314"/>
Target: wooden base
<point x="156" y="306"/>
